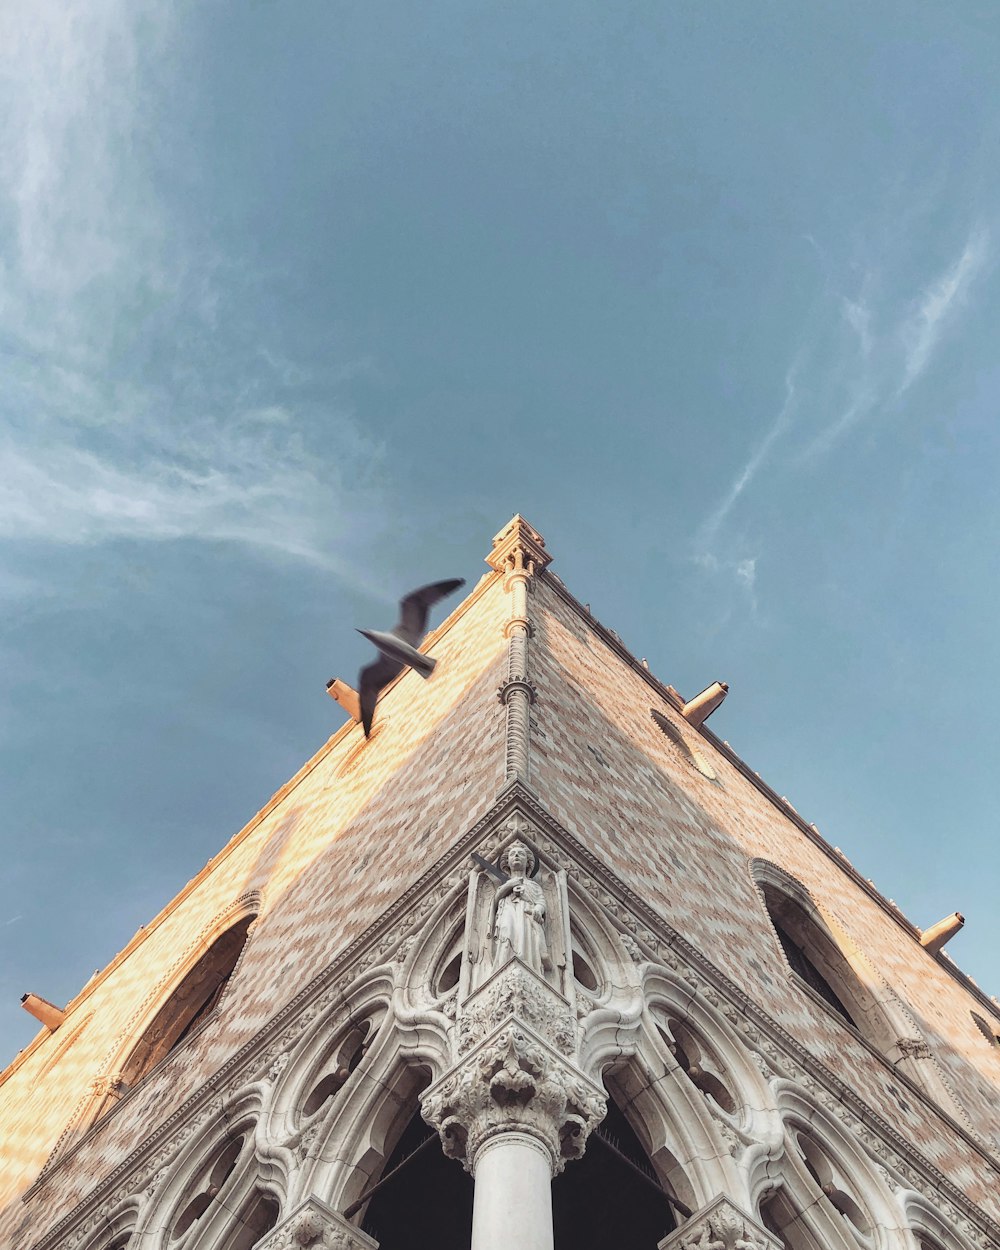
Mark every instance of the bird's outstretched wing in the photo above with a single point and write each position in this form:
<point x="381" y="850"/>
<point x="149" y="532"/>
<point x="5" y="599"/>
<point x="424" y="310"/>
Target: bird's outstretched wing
<point x="373" y="678"/>
<point x="414" y="607"/>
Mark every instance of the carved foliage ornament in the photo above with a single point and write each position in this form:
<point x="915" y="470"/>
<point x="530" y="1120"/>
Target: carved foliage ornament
<point x="314" y="1226"/>
<point x="514" y="1084"/>
<point x="720" y="1226"/>
<point x="516" y="991"/>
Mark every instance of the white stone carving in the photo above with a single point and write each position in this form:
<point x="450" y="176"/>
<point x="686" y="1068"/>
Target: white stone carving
<point x="720" y="1225"/>
<point x="514" y="1083"/>
<point x="515" y="990"/>
<point x="518" y="912"/>
<point x="315" y="1226"/>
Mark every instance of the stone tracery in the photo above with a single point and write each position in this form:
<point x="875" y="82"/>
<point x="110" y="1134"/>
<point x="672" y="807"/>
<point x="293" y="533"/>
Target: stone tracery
<point x="534" y="1065"/>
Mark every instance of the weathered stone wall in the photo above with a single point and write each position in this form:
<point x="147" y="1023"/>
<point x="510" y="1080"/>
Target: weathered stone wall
<point x="327" y="858"/>
<point x="685" y="843"/>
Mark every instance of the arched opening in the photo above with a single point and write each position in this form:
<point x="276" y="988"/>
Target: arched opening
<point x="424" y="1199"/>
<point x="336" y="1068"/>
<point x="699" y="1065"/>
<point x="449" y="977"/>
<point x="583" y="972"/>
<point x="611" y="1196"/>
<point x="189" y="1005"/>
<point x="779" y="1217"/>
<point x="832" y="1183"/>
<point x="213" y="1180"/>
<point x="811" y="952"/>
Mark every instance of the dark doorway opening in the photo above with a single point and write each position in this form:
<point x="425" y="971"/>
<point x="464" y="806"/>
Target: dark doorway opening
<point x="428" y="1203"/>
<point x="601" y="1203"/>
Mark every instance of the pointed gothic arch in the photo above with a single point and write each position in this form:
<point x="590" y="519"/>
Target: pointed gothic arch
<point x="823" y="958"/>
<point x="188" y="1005"/>
<point x="832" y="1186"/>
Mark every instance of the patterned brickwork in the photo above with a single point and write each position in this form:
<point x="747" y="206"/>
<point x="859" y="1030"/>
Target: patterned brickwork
<point x="684" y="843"/>
<point x="336" y="849"/>
<point x="326" y="860"/>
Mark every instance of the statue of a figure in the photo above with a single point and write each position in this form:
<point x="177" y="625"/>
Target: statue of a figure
<point x="517" y="917"/>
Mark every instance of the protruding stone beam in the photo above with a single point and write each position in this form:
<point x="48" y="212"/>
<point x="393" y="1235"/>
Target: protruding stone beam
<point x="721" y="1225"/>
<point x="315" y="1226"/>
<point x="697" y="710"/>
<point x="48" y="1013"/>
<point x="518" y="552"/>
<point x="934" y="938"/>
<point x="515" y="1107"/>
<point x="346" y="696"/>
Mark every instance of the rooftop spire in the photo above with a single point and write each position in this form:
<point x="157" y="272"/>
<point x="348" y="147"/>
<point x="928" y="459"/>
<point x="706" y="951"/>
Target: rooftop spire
<point x="518" y="547"/>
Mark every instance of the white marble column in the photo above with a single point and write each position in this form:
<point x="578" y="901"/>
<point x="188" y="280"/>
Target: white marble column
<point x="514" y="1107"/>
<point x="513" y="1199"/>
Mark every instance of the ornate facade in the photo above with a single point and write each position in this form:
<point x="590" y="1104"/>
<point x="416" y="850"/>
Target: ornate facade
<point x="542" y="963"/>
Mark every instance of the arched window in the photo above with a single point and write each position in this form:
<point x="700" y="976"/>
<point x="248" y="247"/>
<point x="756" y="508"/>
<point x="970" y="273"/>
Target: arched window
<point x="988" y="1031"/>
<point x="699" y="1064"/>
<point x="331" y="1075"/>
<point x="811" y="951"/>
<point x="189" y="1005"/>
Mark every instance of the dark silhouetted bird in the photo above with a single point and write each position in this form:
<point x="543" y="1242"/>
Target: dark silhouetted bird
<point x="399" y="646"/>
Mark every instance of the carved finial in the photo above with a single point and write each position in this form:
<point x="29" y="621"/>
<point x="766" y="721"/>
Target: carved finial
<point x="518" y="548"/>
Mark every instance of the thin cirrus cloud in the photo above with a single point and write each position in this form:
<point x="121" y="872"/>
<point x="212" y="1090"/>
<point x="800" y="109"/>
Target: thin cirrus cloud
<point x="242" y="487"/>
<point x="88" y="457"/>
<point x="875" y="372"/>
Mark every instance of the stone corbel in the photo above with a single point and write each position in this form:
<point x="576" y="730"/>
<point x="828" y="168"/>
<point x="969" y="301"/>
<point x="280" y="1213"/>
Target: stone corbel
<point x="315" y="1226"/>
<point x="721" y="1225"/>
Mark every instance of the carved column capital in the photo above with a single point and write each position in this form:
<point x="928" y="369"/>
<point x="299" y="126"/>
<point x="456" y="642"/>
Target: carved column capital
<point x="514" y="1076"/>
<point x="315" y="1226"/>
<point x="721" y="1225"/>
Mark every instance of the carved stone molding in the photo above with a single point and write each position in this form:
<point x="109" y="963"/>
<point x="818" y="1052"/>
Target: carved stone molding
<point x="516" y="991"/>
<point x="514" y="1082"/>
<point x="512" y="684"/>
<point x="315" y="1226"/>
<point x="720" y="1226"/>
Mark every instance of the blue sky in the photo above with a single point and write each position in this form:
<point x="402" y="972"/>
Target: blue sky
<point x="299" y="302"/>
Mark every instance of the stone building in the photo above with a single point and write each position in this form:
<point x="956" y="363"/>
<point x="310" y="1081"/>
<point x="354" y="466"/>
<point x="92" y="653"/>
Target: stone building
<point x="542" y="962"/>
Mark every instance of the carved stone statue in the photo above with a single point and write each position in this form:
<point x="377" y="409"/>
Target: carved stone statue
<point x="517" y="917"/>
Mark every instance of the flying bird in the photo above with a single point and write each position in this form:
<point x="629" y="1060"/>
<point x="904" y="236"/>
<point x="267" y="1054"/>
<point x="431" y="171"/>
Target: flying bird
<point x="399" y="646"/>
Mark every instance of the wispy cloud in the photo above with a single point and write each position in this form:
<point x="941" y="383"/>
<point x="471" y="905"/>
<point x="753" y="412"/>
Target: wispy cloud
<point x="212" y="445"/>
<point x="921" y="332"/>
<point x="241" y="480"/>
<point x="714" y="521"/>
<point x="889" y="360"/>
<point x="850" y="373"/>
